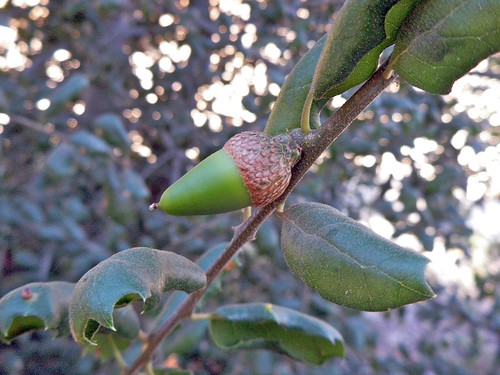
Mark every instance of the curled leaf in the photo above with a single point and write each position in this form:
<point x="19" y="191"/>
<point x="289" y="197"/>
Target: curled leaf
<point x="40" y="305"/>
<point x="287" y="109"/>
<point x="361" y="31"/>
<point x="134" y="274"/>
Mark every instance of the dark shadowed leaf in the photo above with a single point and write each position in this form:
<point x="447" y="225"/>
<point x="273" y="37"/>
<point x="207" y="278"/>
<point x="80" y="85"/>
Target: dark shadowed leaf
<point x="40" y="305"/>
<point x="443" y="39"/>
<point x="134" y="274"/>
<point x="267" y="326"/>
<point x="347" y="263"/>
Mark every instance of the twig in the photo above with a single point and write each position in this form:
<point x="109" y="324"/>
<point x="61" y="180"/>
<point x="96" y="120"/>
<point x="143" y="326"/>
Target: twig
<point x="313" y="144"/>
<point x="33" y="125"/>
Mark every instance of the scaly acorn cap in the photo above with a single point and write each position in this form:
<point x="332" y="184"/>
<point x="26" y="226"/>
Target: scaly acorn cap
<point x="264" y="162"/>
<point x="252" y="169"/>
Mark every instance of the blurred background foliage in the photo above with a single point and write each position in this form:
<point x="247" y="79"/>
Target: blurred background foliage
<point x="104" y="103"/>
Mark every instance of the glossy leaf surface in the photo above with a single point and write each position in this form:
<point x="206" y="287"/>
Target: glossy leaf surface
<point x="362" y="30"/>
<point x="267" y="326"/>
<point x="347" y="263"/>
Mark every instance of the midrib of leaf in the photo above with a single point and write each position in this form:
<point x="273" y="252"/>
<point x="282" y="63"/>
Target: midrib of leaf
<point x="296" y="88"/>
<point x="360" y="265"/>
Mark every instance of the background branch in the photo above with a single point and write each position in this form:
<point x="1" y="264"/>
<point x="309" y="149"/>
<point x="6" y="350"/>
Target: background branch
<point x="313" y="144"/>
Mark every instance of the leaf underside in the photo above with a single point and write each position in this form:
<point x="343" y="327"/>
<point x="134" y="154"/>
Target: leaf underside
<point x="287" y="109"/>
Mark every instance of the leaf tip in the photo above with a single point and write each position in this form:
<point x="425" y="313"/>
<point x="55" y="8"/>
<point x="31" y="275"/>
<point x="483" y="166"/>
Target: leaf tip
<point x="108" y="323"/>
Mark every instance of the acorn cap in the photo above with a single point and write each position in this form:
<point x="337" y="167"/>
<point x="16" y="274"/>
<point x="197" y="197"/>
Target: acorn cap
<point x="252" y="169"/>
<point x="265" y="163"/>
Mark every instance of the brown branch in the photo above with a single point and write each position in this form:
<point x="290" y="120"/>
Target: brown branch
<point x="313" y="144"/>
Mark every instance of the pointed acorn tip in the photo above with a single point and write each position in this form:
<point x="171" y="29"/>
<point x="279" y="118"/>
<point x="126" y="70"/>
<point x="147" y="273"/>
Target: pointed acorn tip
<point x="153" y="206"/>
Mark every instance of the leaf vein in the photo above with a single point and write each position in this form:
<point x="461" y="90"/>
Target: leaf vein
<point x="360" y="265"/>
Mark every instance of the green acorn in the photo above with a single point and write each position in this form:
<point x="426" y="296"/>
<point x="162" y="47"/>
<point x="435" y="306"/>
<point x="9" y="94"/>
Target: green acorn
<point x="252" y="169"/>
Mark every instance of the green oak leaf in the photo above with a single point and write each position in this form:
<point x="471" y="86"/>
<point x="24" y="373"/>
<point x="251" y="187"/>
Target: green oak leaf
<point x="443" y="39"/>
<point x="361" y="31"/>
<point x="39" y="305"/>
<point x="347" y="263"/>
<point x="277" y="328"/>
<point x="134" y="274"/>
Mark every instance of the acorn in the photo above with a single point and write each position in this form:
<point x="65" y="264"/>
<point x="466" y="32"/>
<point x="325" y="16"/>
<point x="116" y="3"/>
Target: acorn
<point x="252" y="169"/>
